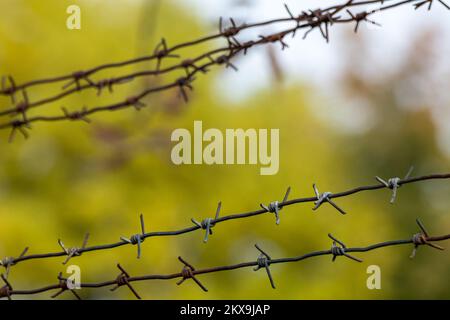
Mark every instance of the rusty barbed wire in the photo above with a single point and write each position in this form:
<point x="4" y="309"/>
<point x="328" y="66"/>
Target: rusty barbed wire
<point x="208" y="223"/>
<point x="319" y="19"/>
<point x="338" y="249"/>
<point x="157" y="54"/>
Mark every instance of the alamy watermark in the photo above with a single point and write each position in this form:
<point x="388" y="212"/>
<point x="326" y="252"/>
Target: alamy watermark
<point x="374" y="280"/>
<point x="73" y="21"/>
<point x="74" y="280"/>
<point x="235" y="146"/>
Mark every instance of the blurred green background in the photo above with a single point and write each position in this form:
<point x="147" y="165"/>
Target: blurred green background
<point x="70" y="177"/>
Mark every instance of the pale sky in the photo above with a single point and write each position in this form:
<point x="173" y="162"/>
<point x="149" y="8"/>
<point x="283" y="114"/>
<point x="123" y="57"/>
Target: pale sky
<point x="313" y="58"/>
<point x="318" y="63"/>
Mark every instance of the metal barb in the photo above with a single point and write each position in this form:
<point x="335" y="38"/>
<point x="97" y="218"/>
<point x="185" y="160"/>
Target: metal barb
<point x="275" y="206"/>
<point x="162" y="51"/>
<point x="338" y="248"/>
<point x="183" y="83"/>
<point x="135" y="102"/>
<point x="394" y="183"/>
<point x="430" y="4"/>
<point x="73" y="252"/>
<point x="224" y="59"/>
<point x="208" y="223"/>
<point x="362" y="16"/>
<point x="23" y="106"/>
<point x="422" y="238"/>
<point x="76" y="115"/>
<point x="188" y="273"/>
<point x="264" y="261"/>
<point x="325" y="197"/>
<point x="21" y="126"/>
<point x="64" y="287"/>
<point x="11" y="89"/>
<point x="76" y="79"/>
<point x="8" y="262"/>
<point x="123" y="279"/>
<point x="105" y="83"/>
<point x="5" y="291"/>
<point x="230" y="31"/>
<point x="137" y="239"/>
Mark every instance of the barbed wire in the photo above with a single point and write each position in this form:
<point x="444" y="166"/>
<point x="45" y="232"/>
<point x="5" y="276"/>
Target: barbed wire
<point x="263" y="261"/>
<point x="208" y="224"/>
<point x="158" y="53"/>
<point x="319" y="19"/>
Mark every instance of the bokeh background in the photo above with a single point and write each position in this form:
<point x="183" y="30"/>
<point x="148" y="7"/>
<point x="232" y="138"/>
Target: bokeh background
<point x="369" y="104"/>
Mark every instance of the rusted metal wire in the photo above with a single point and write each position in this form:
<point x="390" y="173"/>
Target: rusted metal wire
<point x="338" y="249"/>
<point x="206" y="224"/>
<point x="319" y="19"/>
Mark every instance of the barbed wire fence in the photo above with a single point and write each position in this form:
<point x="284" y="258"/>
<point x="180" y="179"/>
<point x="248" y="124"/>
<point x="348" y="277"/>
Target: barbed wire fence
<point x="208" y="224"/>
<point x="319" y="19"/>
<point x="263" y="261"/>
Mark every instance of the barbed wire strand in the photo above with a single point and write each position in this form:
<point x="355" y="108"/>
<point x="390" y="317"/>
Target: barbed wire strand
<point x="320" y="19"/>
<point x="338" y="249"/>
<point x="158" y="54"/>
<point x="207" y="224"/>
<point x="166" y="52"/>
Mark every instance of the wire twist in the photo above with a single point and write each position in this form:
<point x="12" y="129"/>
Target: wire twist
<point x="325" y="197"/>
<point x="264" y="261"/>
<point x="338" y="248"/>
<point x="64" y="287"/>
<point x="275" y="206"/>
<point x="422" y="238"/>
<point x="73" y="252"/>
<point x="123" y="280"/>
<point x="188" y="273"/>
<point x="7" y="289"/>
<point x="137" y="239"/>
<point x="8" y="262"/>
<point x="394" y="183"/>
